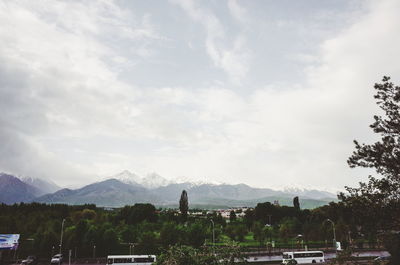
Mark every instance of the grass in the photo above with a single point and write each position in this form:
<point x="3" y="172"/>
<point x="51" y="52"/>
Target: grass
<point x="249" y="242"/>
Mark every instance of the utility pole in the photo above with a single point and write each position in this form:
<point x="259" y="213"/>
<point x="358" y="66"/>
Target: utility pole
<point x="131" y="248"/>
<point x="61" y="237"/>
<point x="213" y="235"/>
<point x="334" y="234"/>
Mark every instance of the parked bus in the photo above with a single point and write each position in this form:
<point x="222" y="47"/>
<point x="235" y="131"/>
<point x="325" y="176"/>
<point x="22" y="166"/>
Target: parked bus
<point x="131" y="259"/>
<point x="302" y="257"/>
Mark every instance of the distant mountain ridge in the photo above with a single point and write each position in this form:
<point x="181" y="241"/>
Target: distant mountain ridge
<point x="44" y="186"/>
<point x="109" y="192"/>
<point x="128" y="188"/>
<point x="13" y="190"/>
<point x="150" y="181"/>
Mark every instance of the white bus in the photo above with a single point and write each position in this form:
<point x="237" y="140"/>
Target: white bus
<point x="131" y="259"/>
<point x="302" y="257"/>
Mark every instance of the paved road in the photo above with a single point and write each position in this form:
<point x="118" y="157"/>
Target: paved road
<point x="327" y="256"/>
<point x="276" y="258"/>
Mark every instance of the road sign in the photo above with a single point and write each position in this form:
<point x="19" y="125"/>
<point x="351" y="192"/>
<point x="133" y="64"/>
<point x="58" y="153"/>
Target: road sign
<point x="9" y="241"/>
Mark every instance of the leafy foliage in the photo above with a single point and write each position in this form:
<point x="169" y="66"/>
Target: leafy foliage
<point x="185" y="255"/>
<point x="184" y="205"/>
<point x="380" y="195"/>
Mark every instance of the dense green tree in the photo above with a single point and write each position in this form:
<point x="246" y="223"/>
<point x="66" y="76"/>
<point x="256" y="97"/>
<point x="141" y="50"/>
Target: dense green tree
<point x="184" y="205"/>
<point x="287" y="228"/>
<point x="259" y="233"/>
<point x="88" y="214"/>
<point x="196" y="234"/>
<point x="249" y="218"/>
<point x="129" y="234"/>
<point x="236" y="231"/>
<point x="380" y="195"/>
<point x="185" y="255"/>
<point x="138" y="213"/>
<point x="241" y="232"/>
<point x="148" y="243"/>
<point x="384" y="156"/>
<point x="110" y="238"/>
<point x="169" y="234"/>
<point x="232" y="216"/>
<point x="296" y="203"/>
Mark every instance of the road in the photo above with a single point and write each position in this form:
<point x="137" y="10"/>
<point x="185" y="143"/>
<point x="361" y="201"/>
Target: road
<point x="327" y="256"/>
<point x="265" y="258"/>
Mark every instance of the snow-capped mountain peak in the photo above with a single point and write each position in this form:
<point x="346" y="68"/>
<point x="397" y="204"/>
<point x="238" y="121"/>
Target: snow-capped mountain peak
<point x="43" y="185"/>
<point x="153" y="180"/>
<point x="150" y="181"/>
<point x="184" y="179"/>
<point x="128" y="177"/>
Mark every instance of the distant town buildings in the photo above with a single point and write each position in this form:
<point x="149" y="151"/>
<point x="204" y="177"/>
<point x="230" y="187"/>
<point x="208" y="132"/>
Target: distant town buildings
<point x="225" y="213"/>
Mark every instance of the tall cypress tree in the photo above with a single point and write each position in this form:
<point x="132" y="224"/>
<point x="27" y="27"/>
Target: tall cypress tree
<point x="296" y="203"/>
<point x="184" y="205"/>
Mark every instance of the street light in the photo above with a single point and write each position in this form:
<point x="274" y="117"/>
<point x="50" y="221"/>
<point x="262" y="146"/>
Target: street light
<point x="131" y="248"/>
<point x="94" y="251"/>
<point x="62" y="232"/>
<point x="334" y="234"/>
<point x="213" y="231"/>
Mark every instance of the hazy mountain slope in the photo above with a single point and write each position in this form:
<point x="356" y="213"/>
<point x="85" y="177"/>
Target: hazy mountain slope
<point x="13" y="190"/>
<point x="172" y="192"/>
<point x="310" y="193"/>
<point x="44" y="186"/>
<point x="305" y="203"/>
<point x="237" y="192"/>
<point x="215" y="203"/>
<point x="110" y="192"/>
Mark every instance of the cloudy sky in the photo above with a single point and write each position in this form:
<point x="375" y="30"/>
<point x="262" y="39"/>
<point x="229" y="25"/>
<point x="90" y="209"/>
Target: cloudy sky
<point x="268" y="93"/>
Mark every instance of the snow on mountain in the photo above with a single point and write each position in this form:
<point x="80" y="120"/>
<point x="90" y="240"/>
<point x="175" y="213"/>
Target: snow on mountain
<point x="44" y="186"/>
<point x="153" y="181"/>
<point x="13" y="190"/>
<point x="128" y="177"/>
<point x="183" y="179"/>
<point x="150" y="181"/>
<point x="310" y="192"/>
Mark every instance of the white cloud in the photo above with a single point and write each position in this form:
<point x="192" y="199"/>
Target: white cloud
<point x="227" y="53"/>
<point x="56" y="80"/>
<point x="67" y="103"/>
<point x="237" y="11"/>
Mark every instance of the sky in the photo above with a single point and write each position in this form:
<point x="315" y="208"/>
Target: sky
<point x="267" y="93"/>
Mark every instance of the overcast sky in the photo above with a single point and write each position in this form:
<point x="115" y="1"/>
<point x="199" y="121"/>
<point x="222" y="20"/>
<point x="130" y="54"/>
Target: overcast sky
<point x="268" y="93"/>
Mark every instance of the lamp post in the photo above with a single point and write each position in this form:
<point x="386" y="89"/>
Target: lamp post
<point x="334" y="234"/>
<point x="213" y="232"/>
<point x="213" y="235"/>
<point x="62" y="232"/>
<point x="94" y="251"/>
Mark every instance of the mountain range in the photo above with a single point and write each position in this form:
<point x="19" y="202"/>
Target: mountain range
<point x="128" y="188"/>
